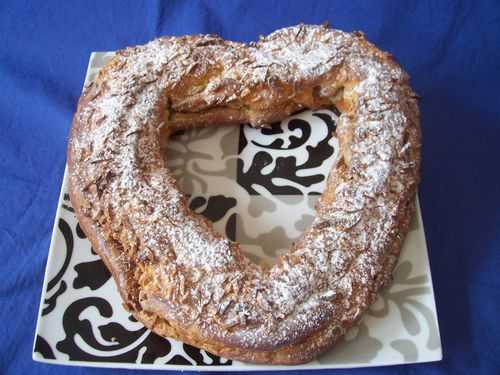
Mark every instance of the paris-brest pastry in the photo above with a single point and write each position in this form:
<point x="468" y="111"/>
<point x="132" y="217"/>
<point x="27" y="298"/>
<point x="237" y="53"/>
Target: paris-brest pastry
<point x="174" y="272"/>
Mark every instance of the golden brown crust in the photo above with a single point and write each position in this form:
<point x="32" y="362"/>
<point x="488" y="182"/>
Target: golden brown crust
<point x="174" y="273"/>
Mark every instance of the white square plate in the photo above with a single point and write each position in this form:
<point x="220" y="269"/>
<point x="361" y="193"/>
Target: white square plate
<point x="246" y="181"/>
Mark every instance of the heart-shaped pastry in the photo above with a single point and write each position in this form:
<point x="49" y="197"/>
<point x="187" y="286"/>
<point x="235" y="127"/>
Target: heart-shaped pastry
<point x="174" y="272"/>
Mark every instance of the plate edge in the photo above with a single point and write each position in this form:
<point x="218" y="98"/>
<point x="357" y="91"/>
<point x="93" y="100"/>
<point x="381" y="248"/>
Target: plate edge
<point x="54" y="229"/>
<point x="47" y="264"/>
<point x="218" y="368"/>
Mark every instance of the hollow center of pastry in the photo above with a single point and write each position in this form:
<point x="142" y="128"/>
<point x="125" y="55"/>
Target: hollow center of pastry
<point x="257" y="186"/>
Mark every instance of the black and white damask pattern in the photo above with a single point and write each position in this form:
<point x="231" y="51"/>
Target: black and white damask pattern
<point x="290" y="158"/>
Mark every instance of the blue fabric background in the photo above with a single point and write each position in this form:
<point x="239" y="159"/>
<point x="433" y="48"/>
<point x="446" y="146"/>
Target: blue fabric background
<point x="451" y="50"/>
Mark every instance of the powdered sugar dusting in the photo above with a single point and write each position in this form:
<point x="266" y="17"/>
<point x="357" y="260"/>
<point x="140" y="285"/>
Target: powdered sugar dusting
<point x="173" y="256"/>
